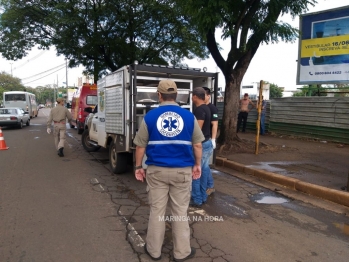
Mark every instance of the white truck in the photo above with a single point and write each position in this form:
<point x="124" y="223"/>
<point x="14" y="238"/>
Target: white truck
<point x="125" y="96"/>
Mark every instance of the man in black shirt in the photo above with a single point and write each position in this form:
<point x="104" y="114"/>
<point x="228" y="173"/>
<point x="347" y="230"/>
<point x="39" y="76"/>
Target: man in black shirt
<point x="203" y="116"/>
<point x="214" y="127"/>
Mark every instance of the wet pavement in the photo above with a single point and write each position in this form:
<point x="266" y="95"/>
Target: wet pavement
<point x="241" y="221"/>
<point x="238" y="216"/>
<point x="324" y="164"/>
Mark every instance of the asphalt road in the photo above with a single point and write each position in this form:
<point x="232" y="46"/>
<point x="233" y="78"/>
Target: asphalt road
<point x="74" y="209"/>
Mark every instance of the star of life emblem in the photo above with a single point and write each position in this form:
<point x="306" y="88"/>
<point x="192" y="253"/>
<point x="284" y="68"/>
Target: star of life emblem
<point x="170" y="124"/>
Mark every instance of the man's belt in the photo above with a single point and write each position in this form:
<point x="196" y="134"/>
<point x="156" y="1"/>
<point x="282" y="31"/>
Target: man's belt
<point x="59" y="122"/>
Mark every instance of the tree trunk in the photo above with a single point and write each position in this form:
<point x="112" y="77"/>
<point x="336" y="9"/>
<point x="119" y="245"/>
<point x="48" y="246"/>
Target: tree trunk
<point x="230" y="113"/>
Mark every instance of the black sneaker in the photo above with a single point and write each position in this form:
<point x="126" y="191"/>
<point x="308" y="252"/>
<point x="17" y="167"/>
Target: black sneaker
<point x="192" y="254"/>
<point x="193" y="204"/>
<point x="146" y="251"/>
<point x="60" y="152"/>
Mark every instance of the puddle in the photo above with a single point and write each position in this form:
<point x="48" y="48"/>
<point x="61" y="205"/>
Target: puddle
<point x="290" y="168"/>
<point x="342" y="226"/>
<point x="36" y="137"/>
<point x="220" y="204"/>
<point x="270" y="199"/>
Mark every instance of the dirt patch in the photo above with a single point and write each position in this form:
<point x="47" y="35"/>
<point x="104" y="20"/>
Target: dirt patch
<point x="249" y="146"/>
<point x="311" y="160"/>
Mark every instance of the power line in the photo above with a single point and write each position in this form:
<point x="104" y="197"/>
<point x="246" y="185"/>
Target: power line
<point x="44" y="72"/>
<point x="30" y="60"/>
<point x="45" y="75"/>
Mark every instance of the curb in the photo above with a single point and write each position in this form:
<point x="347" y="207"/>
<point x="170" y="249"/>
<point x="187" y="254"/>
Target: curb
<point x="332" y="195"/>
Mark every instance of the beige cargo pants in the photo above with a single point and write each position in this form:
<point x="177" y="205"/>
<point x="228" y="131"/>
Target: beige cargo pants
<point x="59" y="134"/>
<point x="171" y="185"/>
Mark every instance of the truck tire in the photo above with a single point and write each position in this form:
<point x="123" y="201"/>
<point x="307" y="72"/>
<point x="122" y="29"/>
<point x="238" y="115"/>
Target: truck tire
<point x="118" y="161"/>
<point x="85" y="142"/>
<point x="80" y="128"/>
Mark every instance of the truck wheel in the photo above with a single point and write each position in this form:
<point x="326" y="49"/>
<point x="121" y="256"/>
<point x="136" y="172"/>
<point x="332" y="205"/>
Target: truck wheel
<point x="80" y="128"/>
<point x="117" y="161"/>
<point x="85" y="142"/>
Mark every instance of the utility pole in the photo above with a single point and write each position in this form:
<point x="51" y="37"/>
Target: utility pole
<point x="54" y="94"/>
<point x="66" y="73"/>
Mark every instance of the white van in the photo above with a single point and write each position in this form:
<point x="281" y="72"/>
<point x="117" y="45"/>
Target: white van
<point x="24" y="100"/>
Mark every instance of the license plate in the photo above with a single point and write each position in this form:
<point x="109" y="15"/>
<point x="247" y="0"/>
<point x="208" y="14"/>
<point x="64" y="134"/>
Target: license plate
<point x="4" y="118"/>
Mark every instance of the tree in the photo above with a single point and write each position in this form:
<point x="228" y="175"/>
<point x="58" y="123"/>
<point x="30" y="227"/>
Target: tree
<point x="311" y="90"/>
<point x="101" y="35"/>
<point x="275" y="91"/>
<point x="9" y="83"/>
<point x="248" y="23"/>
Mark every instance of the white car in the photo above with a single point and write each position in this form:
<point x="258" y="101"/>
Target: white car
<point x="14" y="116"/>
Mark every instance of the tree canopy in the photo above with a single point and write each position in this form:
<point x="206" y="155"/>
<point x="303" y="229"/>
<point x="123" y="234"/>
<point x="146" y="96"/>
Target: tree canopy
<point x="42" y="93"/>
<point x="9" y="83"/>
<point x="311" y="90"/>
<point x="246" y="24"/>
<point x="101" y="35"/>
<point x="275" y="91"/>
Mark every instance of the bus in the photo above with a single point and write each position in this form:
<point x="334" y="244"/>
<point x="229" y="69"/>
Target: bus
<point x="24" y="100"/>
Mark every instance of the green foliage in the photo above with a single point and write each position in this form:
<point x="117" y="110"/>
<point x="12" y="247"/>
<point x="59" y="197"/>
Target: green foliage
<point x="341" y="90"/>
<point x="101" y="35"/>
<point x="275" y="91"/>
<point x="9" y="83"/>
<point x="46" y="94"/>
<point x="247" y="23"/>
<point x="311" y="90"/>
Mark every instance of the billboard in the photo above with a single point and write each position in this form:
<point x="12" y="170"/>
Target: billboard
<point x="323" y="54"/>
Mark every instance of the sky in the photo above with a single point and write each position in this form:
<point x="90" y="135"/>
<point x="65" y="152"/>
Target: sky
<point x="41" y="68"/>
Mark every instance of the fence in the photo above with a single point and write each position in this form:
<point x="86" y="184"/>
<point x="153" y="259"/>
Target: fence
<point x="324" y="118"/>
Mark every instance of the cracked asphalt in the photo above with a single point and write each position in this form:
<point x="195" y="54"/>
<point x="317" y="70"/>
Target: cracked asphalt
<point x="75" y="209"/>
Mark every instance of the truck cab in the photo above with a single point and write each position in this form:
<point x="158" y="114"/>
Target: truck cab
<point x="83" y="97"/>
<point x="126" y="95"/>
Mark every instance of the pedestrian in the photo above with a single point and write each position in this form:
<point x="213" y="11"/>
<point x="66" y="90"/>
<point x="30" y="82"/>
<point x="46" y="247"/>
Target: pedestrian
<point x="171" y="138"/>
<point x="203" y="115"/>
<point x="263" y="111"/>
<point x="243" y="114"/>
<point x="58" y="115"/>
<point x="213" y="134"/>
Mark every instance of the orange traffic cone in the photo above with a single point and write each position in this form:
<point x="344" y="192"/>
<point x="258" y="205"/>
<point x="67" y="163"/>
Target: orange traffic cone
<point x="2" y="141"/>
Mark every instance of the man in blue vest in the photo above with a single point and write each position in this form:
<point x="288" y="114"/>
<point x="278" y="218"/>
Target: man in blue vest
<point x="170" y="137"/>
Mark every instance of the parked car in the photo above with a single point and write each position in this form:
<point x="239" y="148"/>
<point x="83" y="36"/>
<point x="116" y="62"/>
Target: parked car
<point x="87" y="144"/>
<point x="14" y="116"/>
<point x="41" y="106"/>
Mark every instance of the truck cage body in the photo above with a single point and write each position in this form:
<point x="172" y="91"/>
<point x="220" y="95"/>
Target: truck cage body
<point x="126" y="95"/>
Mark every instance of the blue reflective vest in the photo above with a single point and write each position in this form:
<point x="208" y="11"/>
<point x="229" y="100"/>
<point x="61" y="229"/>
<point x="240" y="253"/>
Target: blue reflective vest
<point x="170" y="129"/>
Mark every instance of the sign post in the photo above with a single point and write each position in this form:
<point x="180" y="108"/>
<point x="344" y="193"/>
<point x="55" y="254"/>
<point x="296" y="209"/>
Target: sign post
<point x="259" y="110"/>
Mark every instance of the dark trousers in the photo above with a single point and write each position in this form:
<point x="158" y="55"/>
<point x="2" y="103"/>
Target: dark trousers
<point x="242" y="117"/>
<point x="262" y="126"/>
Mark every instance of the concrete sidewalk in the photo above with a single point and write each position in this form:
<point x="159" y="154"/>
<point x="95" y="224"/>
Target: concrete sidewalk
<point x="318" y="168"/>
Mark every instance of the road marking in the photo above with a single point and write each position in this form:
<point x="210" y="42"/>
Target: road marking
<point x="133" y="234"/>
<point x="94" y="181"/>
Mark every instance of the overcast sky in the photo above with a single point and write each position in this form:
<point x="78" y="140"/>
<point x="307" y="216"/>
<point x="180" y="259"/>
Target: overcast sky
<point x="44" y="67"/>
